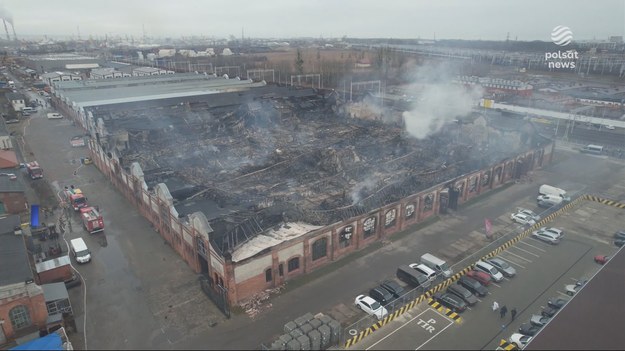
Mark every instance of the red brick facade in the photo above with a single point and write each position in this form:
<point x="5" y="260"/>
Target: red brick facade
<point x="37" y="312"/>
<point x="195" y="249"/>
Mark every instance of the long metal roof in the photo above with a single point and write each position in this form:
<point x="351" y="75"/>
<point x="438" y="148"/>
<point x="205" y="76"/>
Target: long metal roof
<point x="130" y="91"/>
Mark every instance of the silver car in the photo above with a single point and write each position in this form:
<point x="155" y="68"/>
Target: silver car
<point x="503" y="267"/>
<point x="546" y="237"/>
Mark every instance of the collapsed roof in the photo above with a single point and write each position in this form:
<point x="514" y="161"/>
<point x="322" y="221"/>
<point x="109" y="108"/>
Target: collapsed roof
<point x="252" y="160"/>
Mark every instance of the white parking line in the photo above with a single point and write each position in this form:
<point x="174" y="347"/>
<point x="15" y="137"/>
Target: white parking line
<point x="523" y="258"/>
<point x="433" y="336"/>
<point x="496" y="285"/>
<point x="518" y="248"/>
<point x="410" y="321"/>
<point x="537" y="248"/>
<point x="509" y="261"/>
<point x="561" y="293"/>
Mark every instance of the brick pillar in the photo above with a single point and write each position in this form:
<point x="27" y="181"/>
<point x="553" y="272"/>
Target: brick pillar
<point x="306" y="259"/>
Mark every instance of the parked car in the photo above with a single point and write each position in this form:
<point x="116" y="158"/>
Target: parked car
<point x="473" y="286"/>
<point x="546" y="237"/>
<point x="522" y="218"/>
<point x="483" y="278"/>
<point x="601" y="259"/>
<point x="450" y="301"/>
<point x="572" y="289"/>
<point x="619" y="234"/>
<point x="539" y="320"/>
<point x="557" y="302"/>
<point x="370" y="306"/>
<point x="421" y="268"/>
<point x="529" y="213"/>
<point x="528" y="329"/>
<point x="462" y="293"/>
<point x="381" y="295"/>
<point x="488" y="269"/>
<point x="503" y="267"/>
<point x="619" y="242"/>
<point x="549" y="311"/>
<point x="519" y="340"/>
<point x="558" y="233"/>
<point x="393" y="287"/>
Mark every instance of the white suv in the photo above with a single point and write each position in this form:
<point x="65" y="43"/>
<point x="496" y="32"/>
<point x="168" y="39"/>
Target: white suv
<point x="490" y="270"/>
<point x="429" y="272"/>
<point x="522" y="218"/>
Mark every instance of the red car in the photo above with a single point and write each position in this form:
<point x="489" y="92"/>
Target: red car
<point x="602" y="259"/>
<point x="482" y="277"/>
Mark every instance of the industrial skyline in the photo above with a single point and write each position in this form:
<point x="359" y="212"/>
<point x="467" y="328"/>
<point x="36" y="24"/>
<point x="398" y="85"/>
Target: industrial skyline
<point x="474" y="20"/>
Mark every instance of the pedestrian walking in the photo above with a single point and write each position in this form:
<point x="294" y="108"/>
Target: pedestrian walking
<point x="495" y="306"/>
<point x="503" y="311"/>
<point x="513" y="312"/>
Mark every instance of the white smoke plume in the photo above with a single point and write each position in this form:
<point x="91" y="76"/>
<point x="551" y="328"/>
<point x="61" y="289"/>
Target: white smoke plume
<point x="5" y="14"/>
<point x="439" y="101"/>
<point x="366" y="185"/>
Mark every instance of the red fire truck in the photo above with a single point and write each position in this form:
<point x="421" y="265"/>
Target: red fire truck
<point x="75" y="198"/>
<point x="34" y="171"/>
<point x="92" y="219"/>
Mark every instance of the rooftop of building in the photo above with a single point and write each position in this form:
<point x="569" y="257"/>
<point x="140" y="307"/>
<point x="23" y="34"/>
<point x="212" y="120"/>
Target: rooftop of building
<point x="270" y="155"/>
<point x="8" y="185"/>
<point x="13" y="254"/>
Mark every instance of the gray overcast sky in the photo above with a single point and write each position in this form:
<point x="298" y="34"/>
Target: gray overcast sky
<point x="457" y="19"/>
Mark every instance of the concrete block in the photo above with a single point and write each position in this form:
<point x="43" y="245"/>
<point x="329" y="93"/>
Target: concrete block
<point x="315" y="323"/>
<point x="289" y="327"/>
<point x="326" y="336"/>
<point x="296" y="333"/>
<point x="315" y="340"/>
<point x="284" y="338"/>
<point x="308" y="316"/>
<point x="306" y="328"/>
<point x="300" y="321"/>
<point x="325" y="319"/>
<point x="304" y="342"/>
<point x="335" y="328"/>
<point x="293" y="345"/>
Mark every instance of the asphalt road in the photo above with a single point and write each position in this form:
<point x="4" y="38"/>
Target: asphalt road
<point x="141" y="295"/>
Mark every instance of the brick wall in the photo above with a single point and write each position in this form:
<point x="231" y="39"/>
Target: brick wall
<point x="36" y="307"/>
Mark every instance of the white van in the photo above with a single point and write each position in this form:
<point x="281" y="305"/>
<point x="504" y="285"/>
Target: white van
<point x="80" y="251"/>
<point x="29" y="109"/>
<point x="436" y="264"/>
<point x="54" y="115"/>
<point x="552" y="190"/>
<point x="592" y="149"/>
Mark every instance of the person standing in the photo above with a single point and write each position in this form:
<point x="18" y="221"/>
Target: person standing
<point x="513" y="313"/>
<point x="495" y="306"/>
<point x="503" y="311"/>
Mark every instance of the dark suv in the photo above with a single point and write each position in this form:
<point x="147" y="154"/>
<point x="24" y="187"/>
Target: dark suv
<point x="462" y="293"/>
<point x="393" y="287"/>
<point x="473" y="286"/>
<point x="450" y="301"/>
<point x="381" y="295"/>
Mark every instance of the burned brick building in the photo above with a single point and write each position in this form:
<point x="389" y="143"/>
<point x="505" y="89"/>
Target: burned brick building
<point x="254" y="184"/>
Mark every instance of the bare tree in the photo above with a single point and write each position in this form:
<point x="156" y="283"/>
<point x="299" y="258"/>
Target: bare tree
<point x="299" y="62"/>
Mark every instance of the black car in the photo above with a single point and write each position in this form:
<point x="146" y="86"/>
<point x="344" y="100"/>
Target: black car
<point x="619" y="242"/>
<point x="381" y="295"/>
<point x="462" y="293"/>
<point x="450" y="301"/>
<point x="528" y="329"/>
<point x="620" y="234"/>
<point x="549" y="311"/>
<point x="393" y="287"/>
<point x="557" y="302"/>
<point x="473" y="286"/>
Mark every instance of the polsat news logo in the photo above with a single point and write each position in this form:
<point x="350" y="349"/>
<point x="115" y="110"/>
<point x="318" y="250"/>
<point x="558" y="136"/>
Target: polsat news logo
<point x="561" y="36"/>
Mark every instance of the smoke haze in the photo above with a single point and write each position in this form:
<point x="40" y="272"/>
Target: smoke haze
<point x="439" y="101"/>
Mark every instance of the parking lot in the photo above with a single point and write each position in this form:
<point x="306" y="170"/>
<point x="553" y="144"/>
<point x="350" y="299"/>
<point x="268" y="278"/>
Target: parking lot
<point x="543" y="270"/>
